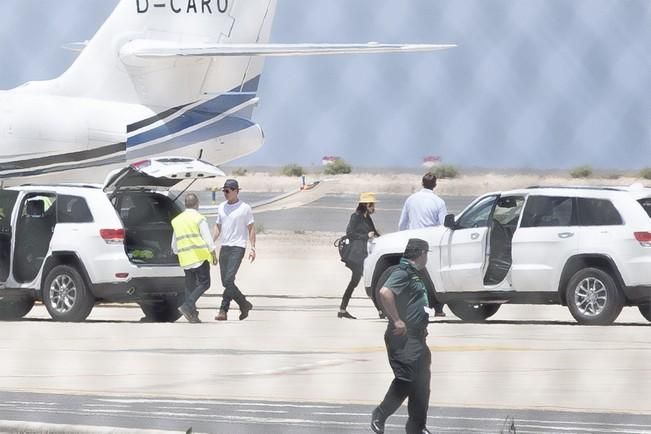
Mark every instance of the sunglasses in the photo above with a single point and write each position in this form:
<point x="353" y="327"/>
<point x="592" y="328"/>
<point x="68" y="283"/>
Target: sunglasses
<point x="227" y="190"/>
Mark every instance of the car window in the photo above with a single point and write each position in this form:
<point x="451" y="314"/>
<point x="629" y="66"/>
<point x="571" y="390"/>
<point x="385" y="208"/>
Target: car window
<point x="546" y="211"/>
<point x="477" y="216"/>
<point x="598" y="212"/>
<point x="7" y="202"/>
<point x="507" y="210"/>
<point x="646" y="204"/>
<point x="73" y="209"/>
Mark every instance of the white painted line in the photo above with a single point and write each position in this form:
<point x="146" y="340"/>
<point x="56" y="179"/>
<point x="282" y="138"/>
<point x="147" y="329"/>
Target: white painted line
<point x="263" y="411"/>
<point x="51" y="428"/>
<point x="214" y="402"/>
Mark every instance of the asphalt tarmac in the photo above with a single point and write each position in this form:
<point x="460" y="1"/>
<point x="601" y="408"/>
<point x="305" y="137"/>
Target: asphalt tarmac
<point x="280" y="417"/>
<point x="332" y="212"/>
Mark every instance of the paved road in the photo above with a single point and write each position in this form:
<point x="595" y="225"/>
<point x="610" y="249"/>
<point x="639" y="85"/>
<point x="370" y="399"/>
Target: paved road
<point x="278" y="417"/>
<point x="332" y="212"/>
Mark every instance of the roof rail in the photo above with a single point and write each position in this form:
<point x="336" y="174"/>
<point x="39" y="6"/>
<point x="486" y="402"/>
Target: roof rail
<point x="579" y="187"/>
<point x="61" y="184"/>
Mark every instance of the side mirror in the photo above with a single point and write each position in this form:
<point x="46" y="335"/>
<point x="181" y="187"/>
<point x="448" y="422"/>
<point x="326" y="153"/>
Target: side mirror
<point x="449" y="222"/>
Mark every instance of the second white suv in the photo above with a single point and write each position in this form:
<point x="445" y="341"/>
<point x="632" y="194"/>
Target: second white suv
<point x="586" y="248"/>
<point x="72" y="246"/>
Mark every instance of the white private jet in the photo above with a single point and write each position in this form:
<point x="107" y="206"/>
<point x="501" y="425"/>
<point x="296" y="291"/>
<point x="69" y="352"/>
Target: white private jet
<point x="160" y="78"/>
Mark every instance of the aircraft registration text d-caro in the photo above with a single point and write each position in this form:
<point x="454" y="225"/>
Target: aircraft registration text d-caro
<point x="184" y="6"/>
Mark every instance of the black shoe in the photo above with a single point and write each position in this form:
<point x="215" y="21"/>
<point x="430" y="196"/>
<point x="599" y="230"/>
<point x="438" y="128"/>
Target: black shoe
<point x="345" y="314"/>
<point x="377" y="422"/>
<point x="440" y="314"/>
<point x="244" y="310"/>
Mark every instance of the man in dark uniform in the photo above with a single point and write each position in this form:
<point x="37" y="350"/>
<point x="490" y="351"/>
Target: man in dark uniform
<point x="404" y="301"/>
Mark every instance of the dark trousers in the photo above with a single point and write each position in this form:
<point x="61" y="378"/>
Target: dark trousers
<point x="358" y="270"/>
<point x="410" y="359"/>
<point x="197" y="281"/>
<point x="230" y="259"/>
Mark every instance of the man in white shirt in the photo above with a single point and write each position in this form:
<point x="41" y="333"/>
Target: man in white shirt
<point x="233" y="227"/>
<point x="424" y="209"/>
<point x="193" y="243"/>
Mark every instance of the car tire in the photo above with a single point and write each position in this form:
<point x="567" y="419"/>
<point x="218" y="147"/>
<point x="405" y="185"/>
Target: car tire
<point x="66" y="296"/>
<point x="161" y="310"/>
<point x="380" y="283"/>
<point x="593" y="297"/>
<point x="473" y="312"/>
<point x="15" y="308"/>
<point x="645" y="310"/>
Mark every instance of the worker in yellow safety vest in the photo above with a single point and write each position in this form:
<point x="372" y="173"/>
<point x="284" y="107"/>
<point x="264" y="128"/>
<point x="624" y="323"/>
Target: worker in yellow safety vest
<point x="194" y="245"/>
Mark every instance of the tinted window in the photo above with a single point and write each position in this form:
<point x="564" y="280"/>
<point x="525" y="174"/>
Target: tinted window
<point x="545" y="211"/>
<point x="477" y="215"/>
<point x="598" y="212"/>
<point x="73" y="209"/>
<point x="646" y="204"/>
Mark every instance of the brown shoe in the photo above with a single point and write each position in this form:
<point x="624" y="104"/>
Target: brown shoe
<point x="221" y="316"/>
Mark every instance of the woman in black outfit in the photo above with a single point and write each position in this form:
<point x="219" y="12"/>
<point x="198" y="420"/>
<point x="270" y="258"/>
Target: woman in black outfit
<point x="360" y="229"/>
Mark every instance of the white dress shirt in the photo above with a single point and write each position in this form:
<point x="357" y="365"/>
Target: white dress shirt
<point x="421" y="210"/>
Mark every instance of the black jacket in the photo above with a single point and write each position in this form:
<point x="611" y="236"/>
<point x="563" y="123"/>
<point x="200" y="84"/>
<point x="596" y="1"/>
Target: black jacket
<point x="357" y="231"/>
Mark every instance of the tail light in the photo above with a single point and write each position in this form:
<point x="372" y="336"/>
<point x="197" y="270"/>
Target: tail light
<point x="112" y="236"/>
<point x="644" y="238"/>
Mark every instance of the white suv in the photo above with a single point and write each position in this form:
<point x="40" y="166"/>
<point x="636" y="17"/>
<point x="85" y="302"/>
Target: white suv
<point x="588" y="248"/>
<point x="72" y="246"/>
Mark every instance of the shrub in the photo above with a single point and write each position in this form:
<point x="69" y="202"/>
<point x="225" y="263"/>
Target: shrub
<point x="581" y="172"/>
<point x="338" y="167"/>
<point x="645" y="173"/>
<point x="292" y="170"/>
<point x="444" y="171"/>
<point x="240" y="171"/>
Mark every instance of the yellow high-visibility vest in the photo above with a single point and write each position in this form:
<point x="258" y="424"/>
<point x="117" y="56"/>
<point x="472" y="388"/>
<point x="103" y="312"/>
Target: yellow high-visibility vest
<point x="191" y="246"/>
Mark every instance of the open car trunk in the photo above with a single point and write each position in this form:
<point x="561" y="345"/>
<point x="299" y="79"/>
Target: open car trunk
<point x="147" y="215"/>
<point x="147" y="218"/>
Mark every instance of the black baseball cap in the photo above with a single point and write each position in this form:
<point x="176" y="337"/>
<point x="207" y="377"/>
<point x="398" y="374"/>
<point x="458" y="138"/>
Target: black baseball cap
<point x="231" y="184"/>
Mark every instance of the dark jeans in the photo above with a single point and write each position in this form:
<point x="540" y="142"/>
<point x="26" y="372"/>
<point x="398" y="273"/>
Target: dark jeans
<point x="358" y="270"/>
<point x="197" y="281"/>
<point x="438" y="307"/>
<point x="230" y="258"/>
<point x="410" y="359"/>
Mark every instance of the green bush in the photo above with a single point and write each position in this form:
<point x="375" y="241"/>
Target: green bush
<point x="338" y="167"/>
<point x="240" y="171"/>
<point x="292" y="170"/>
<point x="645" y="173"/>
<point x="581" y="172"/>
<point x="444" y="171"/>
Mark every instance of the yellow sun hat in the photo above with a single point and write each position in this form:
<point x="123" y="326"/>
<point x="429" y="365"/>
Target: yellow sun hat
<point x="367" y="197"/>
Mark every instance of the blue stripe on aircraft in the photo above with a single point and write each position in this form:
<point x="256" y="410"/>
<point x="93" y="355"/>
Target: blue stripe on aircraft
<point x="223" y="127"/>
<point x="204" y="112"/>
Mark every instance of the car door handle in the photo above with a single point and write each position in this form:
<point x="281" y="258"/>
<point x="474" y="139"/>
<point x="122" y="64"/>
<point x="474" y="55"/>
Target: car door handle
<point x="565" y="234"/>
<point x="474" y="236"/>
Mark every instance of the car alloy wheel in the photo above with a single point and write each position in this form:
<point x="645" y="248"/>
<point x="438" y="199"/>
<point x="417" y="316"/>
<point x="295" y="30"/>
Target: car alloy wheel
<point x="63" y="293"/>
<point x="590" y="296"/>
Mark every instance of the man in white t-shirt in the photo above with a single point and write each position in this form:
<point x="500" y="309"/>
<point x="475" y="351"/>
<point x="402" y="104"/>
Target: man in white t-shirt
<point x="234" y="226"/>
<point x="424" y="209"/>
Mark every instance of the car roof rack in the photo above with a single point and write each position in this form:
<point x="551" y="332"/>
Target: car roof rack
<point x="73" y="185"/>
<point x="578" y="187"/>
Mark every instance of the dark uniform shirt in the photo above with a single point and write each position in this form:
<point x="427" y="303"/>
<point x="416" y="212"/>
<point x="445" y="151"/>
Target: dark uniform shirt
<point x="411" y="295"/>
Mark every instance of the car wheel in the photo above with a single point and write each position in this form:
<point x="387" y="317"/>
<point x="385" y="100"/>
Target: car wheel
<point x="161" y="310"/>
<point x="645" y="310"/>
<point x="593" y="297"/>
<point x="380" y="283"/>
<point x="66" y="296"/>
<point x="15" y="308"/>
<point x="473" y="312"/>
